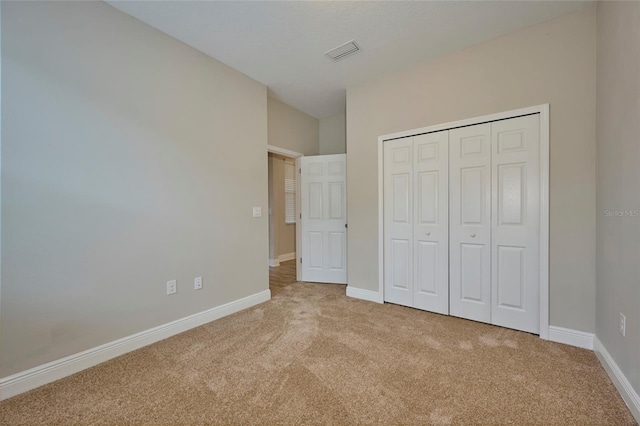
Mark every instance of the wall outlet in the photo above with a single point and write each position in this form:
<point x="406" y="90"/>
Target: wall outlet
<point x="623" y="325"/>
<point x="257" y="212"/>
<point x="172" y="287"/>
<point x="197" y="283"/>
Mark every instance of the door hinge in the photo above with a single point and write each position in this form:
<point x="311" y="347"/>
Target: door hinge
<point x="300" y="171"/>
<point x="300" y="215"/>
<point x="300" y="260"/>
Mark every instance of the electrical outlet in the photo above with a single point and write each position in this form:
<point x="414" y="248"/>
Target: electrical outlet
<point x="623" y="325"/>
<point x="172" y="287"/>
<point x="257" y="212"/>
<point x="197" y="283"/>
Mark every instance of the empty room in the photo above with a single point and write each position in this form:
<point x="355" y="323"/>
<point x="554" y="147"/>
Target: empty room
<point x="320" y="212"/>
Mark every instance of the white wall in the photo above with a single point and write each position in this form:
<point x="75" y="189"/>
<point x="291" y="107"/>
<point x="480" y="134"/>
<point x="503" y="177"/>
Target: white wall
<point x="553" y="62"/>
<point x="292" y="129"/>
<point x="333" y="134"/>
<point x="618" y="180"/>
<point x="128" y="159"/>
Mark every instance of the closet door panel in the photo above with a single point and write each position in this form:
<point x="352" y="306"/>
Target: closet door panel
<point x="515" y="246"/>
<point x="431" y="222"/>
<point x="470" y="222"/>
<point x="398" y="221"/>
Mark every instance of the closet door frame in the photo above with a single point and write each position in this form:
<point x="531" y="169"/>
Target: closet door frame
<point x="543" y="111"/>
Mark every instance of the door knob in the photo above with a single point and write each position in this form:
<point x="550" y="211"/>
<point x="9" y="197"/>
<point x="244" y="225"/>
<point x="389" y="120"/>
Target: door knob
<point x="473" y="235"/>
<point x="428" y="233"/>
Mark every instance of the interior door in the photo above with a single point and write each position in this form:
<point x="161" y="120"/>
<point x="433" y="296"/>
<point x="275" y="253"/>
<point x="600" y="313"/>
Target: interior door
<point x="470" y="222"/>
<point x="431" y="222"/>
<point x="323" y="219"/>
<point x="515" y="245"/>
<point x="398" y="221"/>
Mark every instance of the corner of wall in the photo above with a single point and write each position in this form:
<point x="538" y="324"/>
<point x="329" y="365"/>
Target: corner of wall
<point x="620" y="381"/>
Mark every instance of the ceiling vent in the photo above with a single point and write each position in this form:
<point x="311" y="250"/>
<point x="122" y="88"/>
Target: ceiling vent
<point x="344" y="50"/>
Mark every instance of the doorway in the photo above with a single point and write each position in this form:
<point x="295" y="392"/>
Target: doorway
<point x="282" y="187"/>
<point x="282" y="221"/>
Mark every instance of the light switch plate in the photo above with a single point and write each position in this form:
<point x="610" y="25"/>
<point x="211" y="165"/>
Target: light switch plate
<point x="257" y="212"/>
<point x="172" y="287"/>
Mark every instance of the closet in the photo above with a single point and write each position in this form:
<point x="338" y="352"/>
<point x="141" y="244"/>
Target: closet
<point x="461" y="222"/>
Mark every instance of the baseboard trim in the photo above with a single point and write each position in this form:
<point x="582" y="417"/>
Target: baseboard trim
<point x="55" y="370"/>
<point x="274" y="262"/>
<point x="571" y="337"/>
<point x="287" y="256"/>
<point x="630" y="396"/>
<point x="359" y="293"/>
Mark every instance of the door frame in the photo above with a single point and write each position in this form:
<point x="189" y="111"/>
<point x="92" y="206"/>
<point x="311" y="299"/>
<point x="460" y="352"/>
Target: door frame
<point x="543" y="110"/>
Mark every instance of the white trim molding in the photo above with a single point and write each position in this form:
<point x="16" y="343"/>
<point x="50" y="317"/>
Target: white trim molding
<point x="55" y="370"/>
<point x="274" y="262"/>
<point x="287" y="256"/>
<point x="571" y="337"/>
<point x="282" y="151"/>
<point x="630" y="396"/>
<point x="543" y="111"/>
<point x="368" y="295"/>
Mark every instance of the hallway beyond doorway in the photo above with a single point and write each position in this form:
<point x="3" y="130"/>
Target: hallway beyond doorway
<point x="282" y="276"/>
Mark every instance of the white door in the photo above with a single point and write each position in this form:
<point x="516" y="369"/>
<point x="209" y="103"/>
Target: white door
<point x="470" y="222"/>
<point x="515" y="289"/>
<point x="431" y="222"/>
<point x="398" y="221"/>
<point x="323" y="200"/>
<point x="416" y="230"/>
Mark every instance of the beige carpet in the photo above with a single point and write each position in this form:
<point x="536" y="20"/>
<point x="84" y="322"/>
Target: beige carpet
<point x="312" y="355"/>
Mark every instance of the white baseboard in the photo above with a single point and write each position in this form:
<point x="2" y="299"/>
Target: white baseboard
<point x="274" y="262"/>
<point x="630" y="396"/>
<point x="287" y="256"/>
<point x="571" y="337"/>
<point x="359" y="293"/>
<point x="55" y="370"/>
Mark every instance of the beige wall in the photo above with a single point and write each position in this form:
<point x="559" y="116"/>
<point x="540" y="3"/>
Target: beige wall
<point x="116" y="177"/>
<point x="553" y="62"/>
<point x="333" y="134"/>
<point x="282" y="236"/>
<point x="292" y="129"/>
<point x="618" y="180"/>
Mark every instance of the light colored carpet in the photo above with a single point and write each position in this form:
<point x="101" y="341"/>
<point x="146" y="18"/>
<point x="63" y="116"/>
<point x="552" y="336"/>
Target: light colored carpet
<point x="311" y="355"/>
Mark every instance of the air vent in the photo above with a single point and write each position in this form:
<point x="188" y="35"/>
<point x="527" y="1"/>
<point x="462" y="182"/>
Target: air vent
<point x="342" y="51"/>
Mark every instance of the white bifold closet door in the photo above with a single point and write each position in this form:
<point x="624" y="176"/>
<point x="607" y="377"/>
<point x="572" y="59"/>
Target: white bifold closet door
<point x="515" y="223"/>
<point x="462" y="221"/>
<point x="416" y="222"/>
<point x="470" y="222"/>
<point x="494" y="223"/>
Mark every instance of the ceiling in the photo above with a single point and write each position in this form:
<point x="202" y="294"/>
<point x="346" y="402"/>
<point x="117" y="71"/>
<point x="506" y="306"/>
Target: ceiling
<point x="282" y="44"/>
